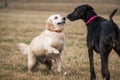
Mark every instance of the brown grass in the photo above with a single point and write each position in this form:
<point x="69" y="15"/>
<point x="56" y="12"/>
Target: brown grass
<point x="23" y="25"/>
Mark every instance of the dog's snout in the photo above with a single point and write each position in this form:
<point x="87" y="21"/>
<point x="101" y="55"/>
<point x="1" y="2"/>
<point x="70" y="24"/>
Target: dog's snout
<point x="64" y="18"/>
<point x="68" y="16"/>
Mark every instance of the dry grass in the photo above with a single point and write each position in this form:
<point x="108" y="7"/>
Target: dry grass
<point x="23" y="25"/>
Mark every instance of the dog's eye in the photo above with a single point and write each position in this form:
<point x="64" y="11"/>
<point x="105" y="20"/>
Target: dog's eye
<point x="56" y="17"/>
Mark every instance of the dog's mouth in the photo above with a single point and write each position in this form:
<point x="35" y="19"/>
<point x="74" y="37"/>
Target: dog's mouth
<point x="72" y="17"/>
<point x="61" y="23"/>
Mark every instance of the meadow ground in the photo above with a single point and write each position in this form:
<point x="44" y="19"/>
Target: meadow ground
<point x="22" y="25"/>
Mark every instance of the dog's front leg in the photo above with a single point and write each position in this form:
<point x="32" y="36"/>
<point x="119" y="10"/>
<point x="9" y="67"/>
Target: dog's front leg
<point x="52" y="50"/>
<point x="92" y="76"/>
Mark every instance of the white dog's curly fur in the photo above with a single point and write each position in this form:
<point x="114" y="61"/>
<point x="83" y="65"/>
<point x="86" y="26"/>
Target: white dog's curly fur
<point x="48" y="46"/>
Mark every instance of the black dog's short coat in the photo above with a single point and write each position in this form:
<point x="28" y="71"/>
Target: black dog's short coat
<point x="102" y="36"/>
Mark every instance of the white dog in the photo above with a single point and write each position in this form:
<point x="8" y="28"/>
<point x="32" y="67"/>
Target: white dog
<point x="48" y="46"/>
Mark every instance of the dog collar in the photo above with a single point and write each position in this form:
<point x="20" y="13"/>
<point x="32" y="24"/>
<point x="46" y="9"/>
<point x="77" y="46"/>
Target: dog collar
<point x="58" y="31"/>
<point x="91" y="19"/>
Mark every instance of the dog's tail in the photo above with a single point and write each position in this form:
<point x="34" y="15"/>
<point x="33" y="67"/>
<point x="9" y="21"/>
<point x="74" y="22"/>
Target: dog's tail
<point x="117" y="30"/>
<point x="24" y="48"/>
<point x="112" y="14"/>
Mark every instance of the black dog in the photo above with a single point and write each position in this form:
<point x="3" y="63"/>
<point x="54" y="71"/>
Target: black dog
<point x="102" y="36"/>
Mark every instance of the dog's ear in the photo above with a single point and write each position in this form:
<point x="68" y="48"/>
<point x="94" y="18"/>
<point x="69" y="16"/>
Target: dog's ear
<point x="49" y="24"/>
<point x="88" y="7"/>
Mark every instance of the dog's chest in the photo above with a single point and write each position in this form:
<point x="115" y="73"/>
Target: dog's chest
<point x="58" y="41"/>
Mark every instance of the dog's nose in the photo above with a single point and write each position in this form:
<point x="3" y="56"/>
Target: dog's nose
<point x="68" y="16"/>
<point x="64" y="18"/>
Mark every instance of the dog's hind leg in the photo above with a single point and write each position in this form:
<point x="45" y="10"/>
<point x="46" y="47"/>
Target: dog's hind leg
<point x="117" y="48"/>
<point x="49" y="64"/>
<point x="59" y="64"/>
<point x="105" y="51"/>
<point x="117" y="51"/>
<point x="92" y="75"/>
<point x="32" y="62"/>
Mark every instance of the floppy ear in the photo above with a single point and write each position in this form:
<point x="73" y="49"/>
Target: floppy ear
<point x="49" y="24"/>
<point x="88" y="7"/>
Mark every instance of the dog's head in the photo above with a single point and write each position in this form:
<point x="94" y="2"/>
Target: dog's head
<point x="55" y="22"/>
<point x="80" y="12"/>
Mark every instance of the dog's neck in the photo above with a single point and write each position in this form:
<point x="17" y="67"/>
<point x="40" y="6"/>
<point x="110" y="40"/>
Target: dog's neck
<point x="89" y="17"/>
<point x="57" y="31"/>
<point x="50" y="27"/>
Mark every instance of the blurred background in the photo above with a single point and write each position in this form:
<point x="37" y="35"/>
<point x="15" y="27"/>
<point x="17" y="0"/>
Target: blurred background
<point x="101" y="6"/>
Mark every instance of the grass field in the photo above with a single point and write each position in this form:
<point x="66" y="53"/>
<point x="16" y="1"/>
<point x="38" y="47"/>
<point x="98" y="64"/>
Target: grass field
<point x="23" y="23"/>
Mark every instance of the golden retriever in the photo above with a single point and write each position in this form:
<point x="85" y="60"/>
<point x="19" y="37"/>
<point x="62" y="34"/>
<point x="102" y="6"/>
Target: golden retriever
<point x="48" y="46"/>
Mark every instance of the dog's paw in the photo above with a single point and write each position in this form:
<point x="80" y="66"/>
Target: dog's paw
<point x="56" y="51"/>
